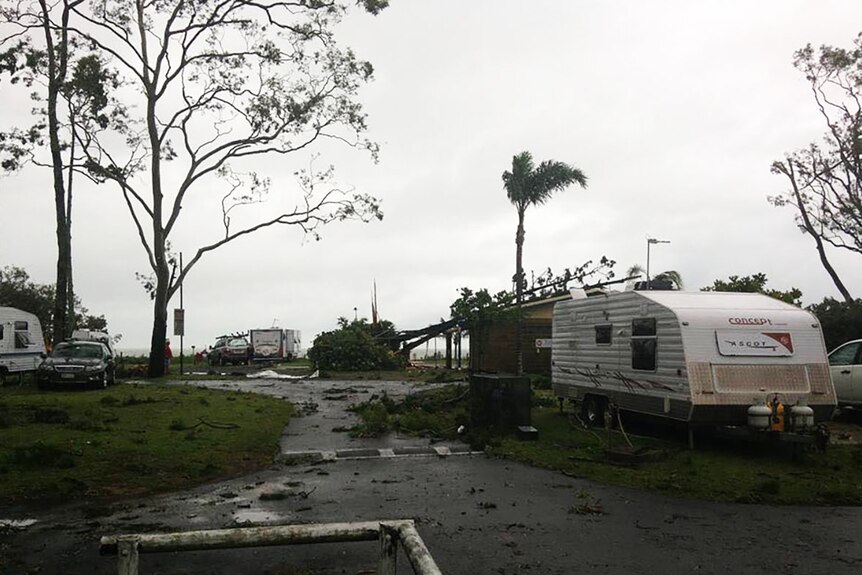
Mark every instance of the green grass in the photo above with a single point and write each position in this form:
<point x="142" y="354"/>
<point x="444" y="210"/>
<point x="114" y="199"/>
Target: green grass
<point x="731" y="471"/>
<point x="131" y="439"/>
<point x="716" y="471"/>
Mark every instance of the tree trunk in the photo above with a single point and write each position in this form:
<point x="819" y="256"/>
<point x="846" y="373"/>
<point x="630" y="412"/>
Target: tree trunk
<point x="809" y="228"/>
<point x="56" y="77"/>
<point x="71" y="320"/>
<point x="160" y="329"/>
<point x="162" y="294"/>
<point x="56" y="72"/>
<point x="519" y="294"/>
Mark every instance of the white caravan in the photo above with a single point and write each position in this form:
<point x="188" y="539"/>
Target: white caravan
<point x="21" y="342"/>
<point x="707" y="358"/>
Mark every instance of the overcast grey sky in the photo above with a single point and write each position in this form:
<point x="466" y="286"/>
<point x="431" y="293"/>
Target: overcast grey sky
<point x="674" y="110"/>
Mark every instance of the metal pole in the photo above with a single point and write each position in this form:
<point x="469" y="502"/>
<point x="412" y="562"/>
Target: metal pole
<point x="648" y="242"/>
<point x="184" y="318"/>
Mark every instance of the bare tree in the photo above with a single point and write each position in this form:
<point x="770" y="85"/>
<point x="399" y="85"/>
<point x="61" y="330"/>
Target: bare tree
<point x="826" y="180"/>
<point x="220" y="85"/>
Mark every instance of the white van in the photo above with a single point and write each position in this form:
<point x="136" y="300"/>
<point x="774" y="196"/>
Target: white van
<point x="22" y="344"/>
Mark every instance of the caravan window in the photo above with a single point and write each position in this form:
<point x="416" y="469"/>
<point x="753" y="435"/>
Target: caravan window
<point x="1" y="332"/>
<point x="643" y="326"/>
<point x="603" y="334"/>
<point x="21" y="326"/>
<point x="643" y="344"/>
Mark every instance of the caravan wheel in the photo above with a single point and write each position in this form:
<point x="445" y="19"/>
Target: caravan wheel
<point x="593" y="409"/>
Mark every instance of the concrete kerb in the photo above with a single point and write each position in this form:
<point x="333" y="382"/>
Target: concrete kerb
<point x="322" y="456"/>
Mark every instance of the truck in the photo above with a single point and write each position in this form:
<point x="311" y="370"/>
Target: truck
<point x="22" y="345"/>
<point x="705" y="358"/>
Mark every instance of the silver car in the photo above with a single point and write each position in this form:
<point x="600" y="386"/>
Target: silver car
<point x="845" y="366"/>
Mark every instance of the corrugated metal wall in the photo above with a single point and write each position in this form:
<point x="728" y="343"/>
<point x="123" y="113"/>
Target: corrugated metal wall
<point x="493" y="350"/>
<point x="581" y="365"/>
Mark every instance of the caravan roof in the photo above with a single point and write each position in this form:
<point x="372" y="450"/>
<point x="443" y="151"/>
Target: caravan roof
<point x="731" y="309"/>
<point x="739" y="301"/>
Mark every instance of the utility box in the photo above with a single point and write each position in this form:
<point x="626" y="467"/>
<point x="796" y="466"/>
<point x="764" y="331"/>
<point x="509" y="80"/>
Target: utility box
<point x="500" y="401"/>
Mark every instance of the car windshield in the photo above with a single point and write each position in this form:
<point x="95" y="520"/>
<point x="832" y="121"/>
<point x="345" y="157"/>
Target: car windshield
<point x="77" y="351"/>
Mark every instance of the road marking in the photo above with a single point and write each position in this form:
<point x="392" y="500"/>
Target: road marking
<point x="290" y="457"/>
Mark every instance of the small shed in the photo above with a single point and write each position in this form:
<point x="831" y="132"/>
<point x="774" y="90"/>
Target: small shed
<point x="492" y="348"/>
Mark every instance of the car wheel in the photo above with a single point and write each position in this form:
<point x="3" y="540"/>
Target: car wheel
<point x="112" y="380"/>
<point x="593" y="410"/>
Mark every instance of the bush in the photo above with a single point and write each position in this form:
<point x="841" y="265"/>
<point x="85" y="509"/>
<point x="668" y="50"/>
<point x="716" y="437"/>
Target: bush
<point x="351" y="348"/>
<point x="841" y="321"/>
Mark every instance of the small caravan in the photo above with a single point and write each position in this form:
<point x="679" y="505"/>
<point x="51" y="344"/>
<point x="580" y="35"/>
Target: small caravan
<point x="21" y="342"/>
<point x="706" y="358"/>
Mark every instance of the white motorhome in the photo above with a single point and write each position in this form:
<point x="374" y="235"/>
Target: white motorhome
<point x="21" y="342"/>
<point x="699" y="357"/>
<point x="266" y="344"/>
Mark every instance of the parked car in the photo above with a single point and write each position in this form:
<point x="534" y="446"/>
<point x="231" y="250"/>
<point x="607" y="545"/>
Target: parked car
<point x="845" y="366"/>
<point x="78" y="363"/>
<point x="233" y="350"/>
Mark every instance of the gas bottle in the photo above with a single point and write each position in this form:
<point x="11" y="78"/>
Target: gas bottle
<point x="759" y="416"/>
<point x="801" y="416"/>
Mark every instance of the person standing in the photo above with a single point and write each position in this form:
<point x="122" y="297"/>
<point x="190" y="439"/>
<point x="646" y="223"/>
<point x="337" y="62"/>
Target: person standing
<point x="169" y="355"/>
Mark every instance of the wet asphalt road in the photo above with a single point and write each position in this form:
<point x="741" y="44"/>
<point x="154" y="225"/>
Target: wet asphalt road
<point x="476" y="514"/>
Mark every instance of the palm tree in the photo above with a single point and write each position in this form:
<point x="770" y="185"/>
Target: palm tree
<point x="672" y="276"/>
<point x="528" y="185"/>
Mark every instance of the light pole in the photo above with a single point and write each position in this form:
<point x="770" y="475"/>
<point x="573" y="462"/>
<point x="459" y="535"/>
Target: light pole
<point x="649" y="242"/>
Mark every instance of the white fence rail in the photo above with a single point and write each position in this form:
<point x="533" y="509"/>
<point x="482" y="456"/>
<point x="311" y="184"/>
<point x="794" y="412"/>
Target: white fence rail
<point x="389" y="533"/>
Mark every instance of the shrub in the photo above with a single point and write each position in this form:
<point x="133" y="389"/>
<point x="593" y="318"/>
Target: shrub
<point x="351" y="347"/>
<point x="841" y="321"/>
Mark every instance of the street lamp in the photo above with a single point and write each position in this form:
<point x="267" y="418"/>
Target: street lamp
<point x="649" y="242"/>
